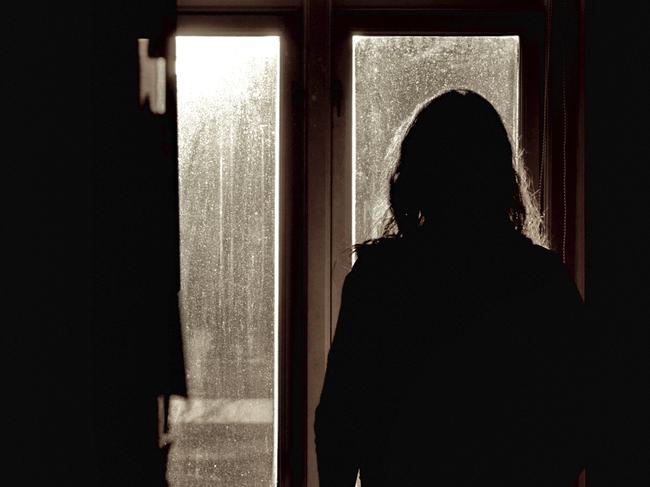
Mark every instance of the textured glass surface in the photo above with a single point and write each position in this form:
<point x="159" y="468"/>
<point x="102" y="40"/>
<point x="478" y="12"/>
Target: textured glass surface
<point x="395" y="74"/>
<point x="224" y="434"/>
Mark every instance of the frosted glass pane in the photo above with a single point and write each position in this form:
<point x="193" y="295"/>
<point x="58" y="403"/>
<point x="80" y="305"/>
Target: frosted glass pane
<point x="392" y="76"/>
<point x="224" y="434"/>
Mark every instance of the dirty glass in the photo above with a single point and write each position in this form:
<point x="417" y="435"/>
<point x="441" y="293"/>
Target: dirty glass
<point x="224" y="434"/>
<point x="395" y="74"/>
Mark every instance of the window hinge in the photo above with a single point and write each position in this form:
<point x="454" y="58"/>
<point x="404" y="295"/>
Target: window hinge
<point x="152" y="79"/>
<point x="164" y="436"/>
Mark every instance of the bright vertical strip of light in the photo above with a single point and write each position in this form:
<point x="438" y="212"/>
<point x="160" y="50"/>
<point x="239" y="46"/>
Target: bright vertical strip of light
<point x="221" y="70"/>
<point x="516" y="122"/>
<point x="355" y="40"/>
<point x="276" y="268"/>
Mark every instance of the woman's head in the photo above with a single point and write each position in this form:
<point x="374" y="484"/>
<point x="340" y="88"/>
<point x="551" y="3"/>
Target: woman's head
<point x="455" y="172"/>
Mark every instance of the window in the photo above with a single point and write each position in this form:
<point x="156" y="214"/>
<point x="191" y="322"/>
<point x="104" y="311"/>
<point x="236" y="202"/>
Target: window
<point x="407" y="71"/>
<point x="228" y="169"/>
<point x="233" y="93"/>
<point x="286" y="115"/>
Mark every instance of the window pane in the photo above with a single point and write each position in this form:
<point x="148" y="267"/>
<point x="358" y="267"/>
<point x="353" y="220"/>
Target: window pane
<point x="392" y="76"/>
<point x="224" y="435"/>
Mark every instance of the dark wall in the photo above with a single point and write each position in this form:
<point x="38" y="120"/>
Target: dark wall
<point x="136" y="346"/>
<point x="46" y="190"/>
<point x="98" y="209"/>
<point x="617" y="245"/>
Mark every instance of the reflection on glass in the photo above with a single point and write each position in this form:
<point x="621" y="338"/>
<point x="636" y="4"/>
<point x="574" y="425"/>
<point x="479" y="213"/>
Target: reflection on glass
<point x="225" y="433"/>
<point x="395" y="74"/>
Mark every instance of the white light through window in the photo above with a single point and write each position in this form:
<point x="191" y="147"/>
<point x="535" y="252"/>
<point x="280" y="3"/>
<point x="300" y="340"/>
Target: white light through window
<point x="225" y="434"/>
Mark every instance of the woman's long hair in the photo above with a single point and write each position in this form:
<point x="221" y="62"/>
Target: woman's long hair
<point x="454" y="168"/>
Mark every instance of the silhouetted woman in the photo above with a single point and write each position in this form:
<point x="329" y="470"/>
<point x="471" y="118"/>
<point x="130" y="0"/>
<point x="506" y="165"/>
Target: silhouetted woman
<point x="454" y="361"/>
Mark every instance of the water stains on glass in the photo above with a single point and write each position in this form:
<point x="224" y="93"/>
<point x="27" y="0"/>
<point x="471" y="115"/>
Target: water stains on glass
<point x="224" y="434"/>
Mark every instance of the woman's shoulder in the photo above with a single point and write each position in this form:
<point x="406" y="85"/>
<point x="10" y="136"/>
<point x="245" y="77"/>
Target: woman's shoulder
<point x="378" y="248"/>
<point x="547" y="271"/>
<point x="377" y="257"/>
<point x="541" y="259"/>
<point x="383" y="252"/>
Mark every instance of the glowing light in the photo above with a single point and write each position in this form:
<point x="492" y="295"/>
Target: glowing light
<point x="228" y="138"/>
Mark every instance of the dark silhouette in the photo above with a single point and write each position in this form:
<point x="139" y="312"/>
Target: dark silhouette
<point x="457" y="355"/>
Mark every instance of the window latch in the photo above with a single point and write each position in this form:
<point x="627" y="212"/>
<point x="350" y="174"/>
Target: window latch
<point x="152" y="79"/>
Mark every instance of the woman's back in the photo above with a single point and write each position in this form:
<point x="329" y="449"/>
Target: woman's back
<point x="452" y="365"/>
